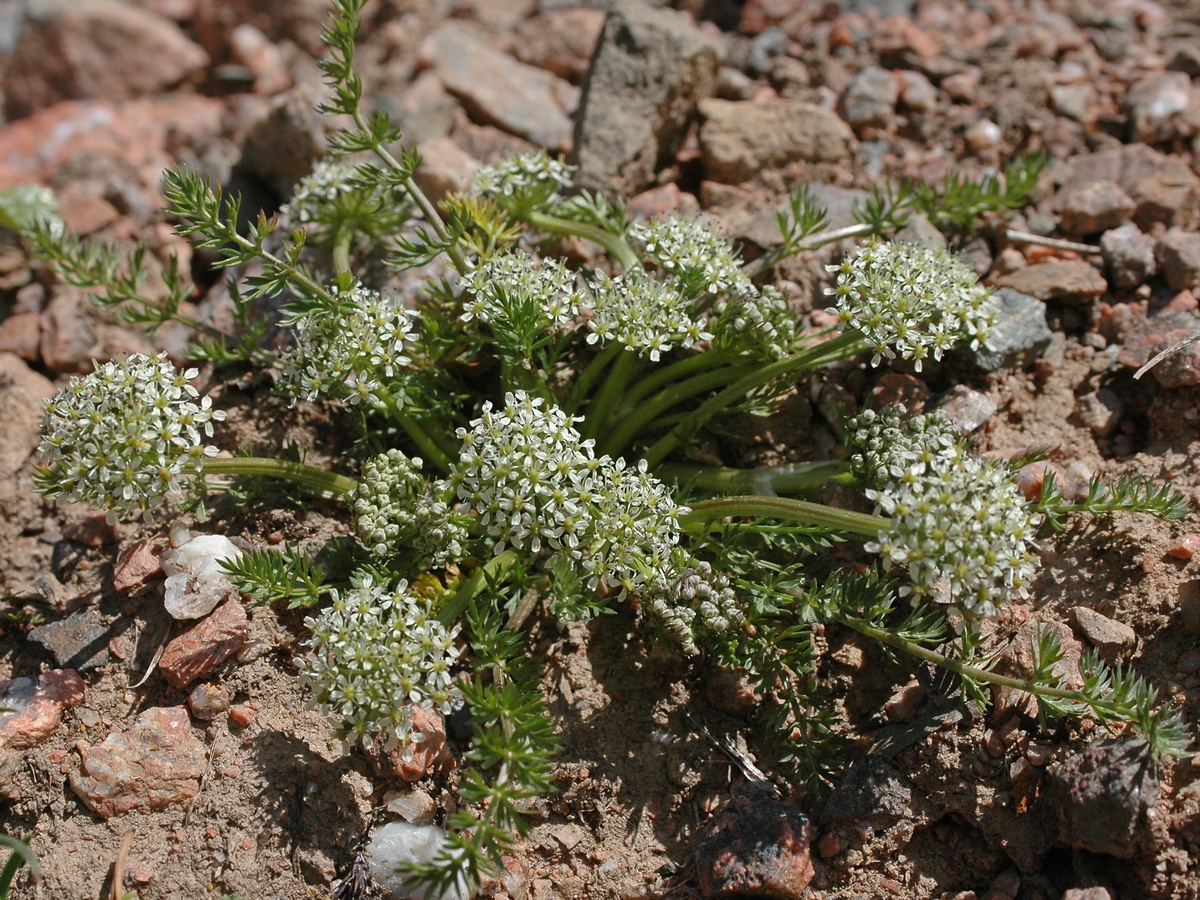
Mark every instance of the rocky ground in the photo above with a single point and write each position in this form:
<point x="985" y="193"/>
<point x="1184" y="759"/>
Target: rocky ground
<point x="202" y="773"/>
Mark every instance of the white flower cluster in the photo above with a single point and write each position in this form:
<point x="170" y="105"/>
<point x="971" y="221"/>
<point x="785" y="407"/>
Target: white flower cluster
<point x="689" y="599"/>
<point x="125" y="435"/>
<point x="646" y="315"/>
<point x="316" y="193"/>
<point x="958" y="522"/>
<point x="513" y="286"/>
<point x="911" y="302"/>
<point x="395" y="510"/>
<point x="525" y="181"/>
<point x="684" y="246"/>
<point x="534" y="482"/>
<point x="348" y="347"/>
<point x="376" y="653"/>
<point x="761" y="323"/>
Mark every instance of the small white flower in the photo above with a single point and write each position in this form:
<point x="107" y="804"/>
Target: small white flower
<point x="523" y="182"/>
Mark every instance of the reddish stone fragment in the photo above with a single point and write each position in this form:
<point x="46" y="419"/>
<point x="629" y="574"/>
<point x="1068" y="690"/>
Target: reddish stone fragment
<point x="157" y="763"/>
<point x="92" y="530"/>
<point x="415" y="760"/>
<point x="199" y="650"/>
<point x="36" y="706"/>
<point x="1185" y="546"/>
<point x="757" y="846"/>
<point x="137" y="564"/>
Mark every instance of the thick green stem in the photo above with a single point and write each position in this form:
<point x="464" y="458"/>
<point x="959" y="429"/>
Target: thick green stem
<point x="794" y="478"/>
<point x="616" y="246"/>
<point x="846" y="344"/>
<point x="494" y="568"/>
<point x="287" y="470"/>
<point x="341" y="248"/>
<point x="610" y="393"/>
<point x="675" y="371"/>
<point x="817" y="514"/>
<point x="652" y="410"/>
<point x="424" y="440"/>
<point x="594" y="370"/>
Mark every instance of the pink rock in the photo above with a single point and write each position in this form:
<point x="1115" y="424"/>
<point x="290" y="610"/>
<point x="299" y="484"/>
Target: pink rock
<point x="36" y="706"/>
<point x="137" y="564"/>
<point x="200" y="649"/>
<point x="417" y="759"/>
<point x="91" y="530"/>
<point x="560" y="41"/>
<point x="67" y="340"/>
<point x="22" y="334"/>
<point x="1057" y="279"/>
<point x="1184" y="546"/>
<point x="83" y="211"/>
<point x="98" y="49"/>
<point x="255" y="51"/>
<point x="157" y="763"/>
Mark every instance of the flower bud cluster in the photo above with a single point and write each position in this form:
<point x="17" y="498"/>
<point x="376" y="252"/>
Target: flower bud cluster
<point x="124" y="436"/>
<point x="761" y="323"/>
<point x="396" y="510"/>
<point x="534" y="482"/>
<point x="645" y="314"/>
<point x="377" y="652"/>
<point x="523" y="182"/>
<point x="513" y="285"/>
<point x="960" y="526"/>
<point x="348" y="347"/>
<point x="911" y="302"/>
<point x="683" y="246"/>
<point x="690" y="600"/>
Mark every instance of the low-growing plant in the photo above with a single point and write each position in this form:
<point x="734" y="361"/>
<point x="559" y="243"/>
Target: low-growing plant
<point x="526" y="439"/>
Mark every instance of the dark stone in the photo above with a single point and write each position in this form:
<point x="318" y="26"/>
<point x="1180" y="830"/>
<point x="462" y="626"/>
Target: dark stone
<point x="1101" y="794"/>
<point x="756" y="847"/>
<point x="1019" y="336"/>
<point x="80" y="641"/>
<point x="870" y="789"/>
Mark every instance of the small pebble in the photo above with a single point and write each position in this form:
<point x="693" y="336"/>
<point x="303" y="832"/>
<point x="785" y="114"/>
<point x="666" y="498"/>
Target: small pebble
<point x="207" y="701"/>
<point x="1184" y="547"/>
<point x="241" y="715"/>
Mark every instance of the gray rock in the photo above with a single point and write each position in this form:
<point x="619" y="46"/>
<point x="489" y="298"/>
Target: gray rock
<point x="870" y="98"/>
<point x="80" y="641"/>
<point x="739" y="140"/>
<point x="920" y="231"/>
<point x="1092" y="208"/>
<point x="281" y="147"/>
<point x="755" y="846"/>
<point x="1019" y="336"/>
<point x="1101" y="795"/>
<point x="1101" y="411"/>
<point x="916" y="91"/>
<point x="1163" y="107"/>
<point x="1165" y="189"/>
<point x="649" y="70"/>
<point x="1128" y="256"/>
<point x="870" y="789"/>
<point x="1178" y="257"/>
<point x="1112" y="639"/>
<point x="968" y="409"/>
<point x="498" y="89"/>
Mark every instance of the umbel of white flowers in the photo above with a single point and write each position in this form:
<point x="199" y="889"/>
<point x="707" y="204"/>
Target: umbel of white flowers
<point x="911" y="302"/>
<point x="959" y="525"/>
<point x="125" y="436"/>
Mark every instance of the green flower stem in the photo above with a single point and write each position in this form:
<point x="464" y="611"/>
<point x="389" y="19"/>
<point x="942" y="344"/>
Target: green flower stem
<point x="594" y="369"/>
<point x="342" y="240"/>
<point x="802" y="511"/>
<point x="494" y="568"/>
<point x="428" y="210"/>
<point x="795" y="478"/>
<point x="813" y="242"/>
<point x="616" y="246"/>
<point x="673" y="372"/>
<point x="843" y="345"/>
<point x="651" y="411"/>
<point x="610" y="393"/>
<point x="1108" y="708"/>
<point x="286" y="470"/>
